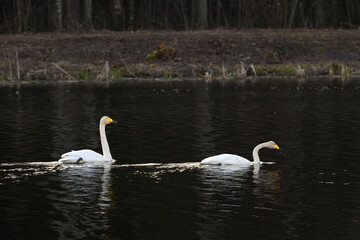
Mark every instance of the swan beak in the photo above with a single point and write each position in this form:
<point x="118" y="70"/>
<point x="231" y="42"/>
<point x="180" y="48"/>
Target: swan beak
<point x="111" y="121"/>
<point x="278" y="148"/>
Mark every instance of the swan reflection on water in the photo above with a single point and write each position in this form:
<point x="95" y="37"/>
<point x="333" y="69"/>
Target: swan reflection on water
<point x="19" y="171"/>
<point x="76" y="195"/>
<point x="86" y="197"/>
<point x="82" y="199"/>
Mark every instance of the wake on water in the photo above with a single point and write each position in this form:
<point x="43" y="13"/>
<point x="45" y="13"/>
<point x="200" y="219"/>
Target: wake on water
<point x="13" y="172"/>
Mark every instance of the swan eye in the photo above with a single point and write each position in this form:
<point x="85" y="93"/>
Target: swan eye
<point x="277" y="147"/>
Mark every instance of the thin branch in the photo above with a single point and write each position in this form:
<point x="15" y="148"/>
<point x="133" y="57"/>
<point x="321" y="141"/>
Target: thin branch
<point x="17" y="64"/>
<point x="128" y="69"/>
<point x="10" y="68"/>
<point x="62" y="70"/>
<point x="104" y="72"/>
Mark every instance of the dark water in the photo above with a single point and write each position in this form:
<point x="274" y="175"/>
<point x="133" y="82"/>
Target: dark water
<point x="311" y="192"/>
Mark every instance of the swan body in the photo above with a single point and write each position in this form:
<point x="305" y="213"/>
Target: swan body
<point x="82" y="156"/>
<point x="231" y="159"/>
<point x="90" y="156"/>
<point x="225" y="159"/>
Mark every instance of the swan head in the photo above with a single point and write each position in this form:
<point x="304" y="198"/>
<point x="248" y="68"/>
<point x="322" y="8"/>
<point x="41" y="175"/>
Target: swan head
<point x="106" y="120"/>
<point x="272" y="145"/>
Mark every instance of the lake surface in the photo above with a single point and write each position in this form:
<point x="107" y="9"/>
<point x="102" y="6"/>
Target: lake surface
<point x="157" y="189"/>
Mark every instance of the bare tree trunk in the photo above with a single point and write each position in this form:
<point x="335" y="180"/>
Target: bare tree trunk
<point x="184" y="15"/>
<point x="239" y="15"/>
<point x="218" y="14"/>
<point x="88" y="13"/>
<point x="131" y="15"/>
<point x="69" y="15"/>
<point x="357" y="11"/>
<point x="284" y="14"/>
<point x="292" y="14"/>
<point x="303" y="23"/>
<point x="58" y="15"/>
<point x="19" y="16"/>
<point x="202" y="11"/>
<point x="348" y="13"/>
<point x="193" y="13"/>
<point x="319" y="14"/>
<point x="226" y="22"/>
<point x="166" y="14"/>
<point x="118" y="9"/>
<point x="26" y="15"/>
<point x="6" y="22"/>
<point x="72" y="17"/>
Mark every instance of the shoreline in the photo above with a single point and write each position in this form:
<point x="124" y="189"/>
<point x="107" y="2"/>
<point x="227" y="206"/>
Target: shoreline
<point x="243" y="81"/>
<point x="213" y="54"/>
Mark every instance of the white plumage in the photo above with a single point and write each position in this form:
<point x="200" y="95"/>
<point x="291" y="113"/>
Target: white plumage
<point x="231" y="159"/>
<point x="90" y="156"/>
<point x="225" y="159"/>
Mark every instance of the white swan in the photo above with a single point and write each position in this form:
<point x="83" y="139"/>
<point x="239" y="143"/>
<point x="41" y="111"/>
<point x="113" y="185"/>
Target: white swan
<point x="231" y="159"/>
<point x="89" y="156"/>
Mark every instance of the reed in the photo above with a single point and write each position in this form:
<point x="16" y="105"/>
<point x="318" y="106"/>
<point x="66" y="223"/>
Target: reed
<point x="252" y="68"/>
<point x="300" y="72"/>
<point x="17" y="64"/>
<point x="10" y="68"/>
<point x="104" y="74"/>
<point x="63" y="71"/>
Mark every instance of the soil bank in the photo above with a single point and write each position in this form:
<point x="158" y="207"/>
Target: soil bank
<point x="224" y="54"/>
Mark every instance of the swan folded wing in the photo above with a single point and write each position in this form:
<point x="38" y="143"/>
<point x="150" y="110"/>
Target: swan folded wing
<point x="225" y="159"/>
<point x="69" y="159"/>
<point x="86" y="156"/>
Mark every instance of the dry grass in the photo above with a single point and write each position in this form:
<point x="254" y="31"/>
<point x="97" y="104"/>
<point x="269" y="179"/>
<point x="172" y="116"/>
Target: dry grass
<point x="216" y="54"/>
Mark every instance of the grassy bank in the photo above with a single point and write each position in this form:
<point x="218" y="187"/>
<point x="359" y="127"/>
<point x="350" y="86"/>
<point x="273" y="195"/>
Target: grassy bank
<point x="221" y="54"/>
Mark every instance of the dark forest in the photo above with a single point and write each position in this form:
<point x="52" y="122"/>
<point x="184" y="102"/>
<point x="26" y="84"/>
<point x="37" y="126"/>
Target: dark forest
<point x="119" y="15"/>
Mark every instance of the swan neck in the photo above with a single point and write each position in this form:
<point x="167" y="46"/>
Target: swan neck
<point x="256" y="153"/>
<point x="104" y="142"/>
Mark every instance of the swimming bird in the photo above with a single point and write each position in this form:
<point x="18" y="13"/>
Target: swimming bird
<point x="90" y="156"/>
<point x="231" y="159"/>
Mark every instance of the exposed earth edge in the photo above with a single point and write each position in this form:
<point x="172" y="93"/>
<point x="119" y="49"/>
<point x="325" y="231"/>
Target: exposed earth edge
<point x="216" y="54"/>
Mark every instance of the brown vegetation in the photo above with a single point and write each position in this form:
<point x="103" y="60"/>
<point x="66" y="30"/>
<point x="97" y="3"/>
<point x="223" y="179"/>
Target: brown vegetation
<point x="211" y="54"/>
